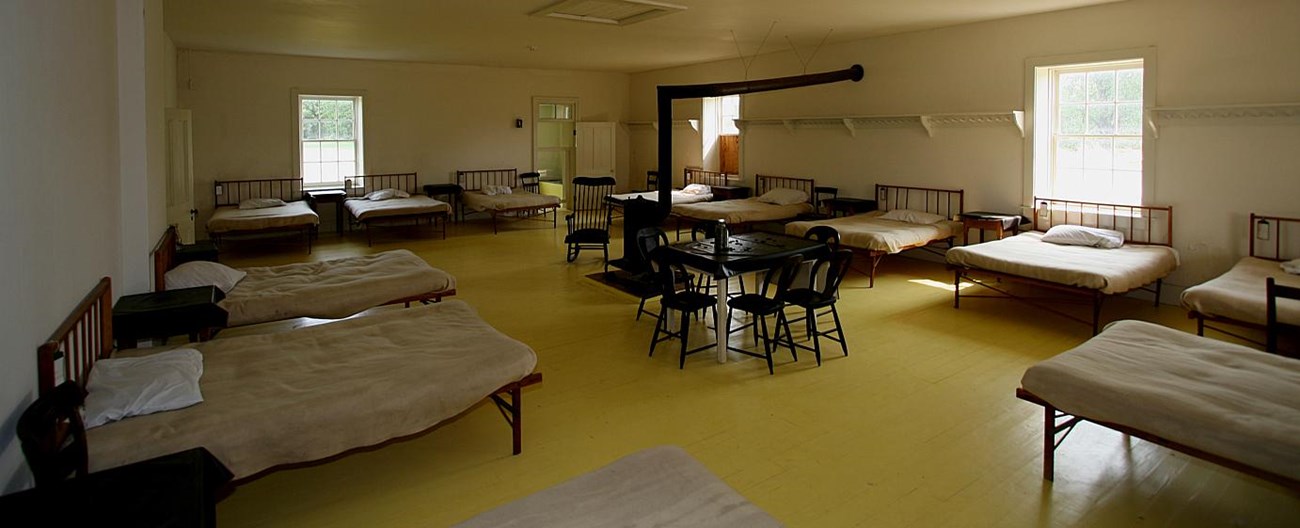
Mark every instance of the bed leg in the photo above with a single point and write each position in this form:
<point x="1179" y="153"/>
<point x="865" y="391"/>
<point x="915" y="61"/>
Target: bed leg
<point x="516" y="425"/>
<point x="1159" y="283"/>
<point x="1049" y="443"/>
<point x="1200" y="325"/>
<point x="956" y="289"/>
<point x="1096" y="312"/>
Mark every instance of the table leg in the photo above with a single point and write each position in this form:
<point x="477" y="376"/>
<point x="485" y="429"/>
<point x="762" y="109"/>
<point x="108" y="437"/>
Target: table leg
<point x="721" y="332"/>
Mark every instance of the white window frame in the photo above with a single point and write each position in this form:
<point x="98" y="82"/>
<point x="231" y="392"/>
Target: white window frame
<point x="358" y="133"/>
<point x="1039" y="96"/>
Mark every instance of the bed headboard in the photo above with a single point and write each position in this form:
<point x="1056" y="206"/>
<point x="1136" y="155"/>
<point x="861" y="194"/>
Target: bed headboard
<point x="705" y="177"/>
<point x="947" y="203"/>
<point x="474" y="180"/>
<point x="85" y="337"/>
<point x="1141" y="224"/>
<point x="231" y="192"/>
<point x="764" y="183"/>
<point x="1272" y="238"/>
<point x="164" y="258"/>
<point x="361" y="185"/>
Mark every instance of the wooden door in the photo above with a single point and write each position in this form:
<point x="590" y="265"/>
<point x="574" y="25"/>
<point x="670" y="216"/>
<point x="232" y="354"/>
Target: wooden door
<point x="180" y="174"/>
<point x="729" y="154"/>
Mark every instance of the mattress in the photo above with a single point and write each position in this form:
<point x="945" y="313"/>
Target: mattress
<point x="868" y="231"/>
<point x="1221" y="398"/>
<point x="1107" y="270"/>
<point x="419" y="204"/>
<point x="315" y="392"/>
<point x="741" y="211"/>
<point x="228" y="219"/>
<point x="516" y="200"/>
<point x="331" y="289"/>
<point x="657" y="487"/>
<point x="1240" y="293"/>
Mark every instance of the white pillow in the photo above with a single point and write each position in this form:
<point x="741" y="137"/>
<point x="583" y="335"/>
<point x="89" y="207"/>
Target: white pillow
<point x="784" y="196"/>
<point x="125" y="387"/>
<point x="203" y="273"/>
<point x="912" y="217"/>
<point x="1073" y="235"/>
<point x="386" y="194"/>
<point x="493" y="190"/>
<point x="1291" y="266"/>
<point x="697" y="188"/>
<point x="260" y="203"/>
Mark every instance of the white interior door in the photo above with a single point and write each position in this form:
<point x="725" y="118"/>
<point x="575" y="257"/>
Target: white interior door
<point x="180" y="174"/>
<point x="595" y="146"/>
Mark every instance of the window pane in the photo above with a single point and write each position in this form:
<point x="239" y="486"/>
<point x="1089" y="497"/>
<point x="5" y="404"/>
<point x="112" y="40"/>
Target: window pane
<point x="345" y="129"/>
<point x="329" y="172"/>
<point x="348" y="151"/>
<point x="1097" y="185"/>
<point x="1130" y="119"/>
<point x="346" y="110"/>
<point x="1097" y="153"/>
<point x="1069" y="153"/>
<point x="1101" y="119"/>
<point x="1072" y="90"/>
<point x="564" y="111"/>
<point x="311" y="129"/>
<point x="311" y="172"/>
<point x="1130" y="85"/>
<point x="329" y="152"/>
<point x="1128" y="155"/>
<point x="1127" y="187"/>
<point x="546" y="111"/>
<point x="310" y="152"/>
<point x="1071" y="119"/>
<point x="1101" y="86"/>
<point x="1069" y="182"/>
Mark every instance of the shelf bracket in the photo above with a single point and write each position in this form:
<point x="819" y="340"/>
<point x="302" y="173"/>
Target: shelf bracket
<point x="848" y="123"/>
<point x="1019" y="117"/>
<point x="789" y="125"/>
<point x="929" y="126"/>
<point x="1149" y="116"/>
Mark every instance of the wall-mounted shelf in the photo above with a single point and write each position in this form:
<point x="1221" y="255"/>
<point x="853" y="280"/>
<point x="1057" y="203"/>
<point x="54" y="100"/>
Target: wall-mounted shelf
<point x="693" y="123"/>
<point x="1160" y="116"/>
<point x="929" y="122"/>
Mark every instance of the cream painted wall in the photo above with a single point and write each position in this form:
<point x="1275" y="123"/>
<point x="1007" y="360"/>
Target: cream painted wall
<point x="59" y="214"/>
<point x="428" y="118"/>
<point x="1209" y="52"/>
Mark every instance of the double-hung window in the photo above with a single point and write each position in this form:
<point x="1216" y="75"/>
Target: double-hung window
<point x="1088" y="140"/>
<point x="329" y="139"/>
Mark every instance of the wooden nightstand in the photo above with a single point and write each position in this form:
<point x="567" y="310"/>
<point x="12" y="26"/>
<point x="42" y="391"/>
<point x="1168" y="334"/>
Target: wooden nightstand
<point x="848" y="206"/>
<point x="451" y="191"/>
<point x="984" y="220"/>
<point x="730" y="192"/>
<point x="191" y="311"/>
<point x="334" y="196"/>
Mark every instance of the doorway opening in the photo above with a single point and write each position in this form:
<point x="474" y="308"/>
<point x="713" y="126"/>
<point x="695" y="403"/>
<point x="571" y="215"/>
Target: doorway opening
<point x="553" y="144"/>
<point x="720" y="137"/>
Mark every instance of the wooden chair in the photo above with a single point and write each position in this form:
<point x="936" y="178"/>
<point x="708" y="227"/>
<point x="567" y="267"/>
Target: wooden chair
<point x="647" y="240"/>
<point x="53" y="436"/>
<point x="760" y="306"/>
<point x="1274" y="327"/>
<point x="591" y="216"/>
<point x="816" y="297"/>
<point x="685" y="302"/>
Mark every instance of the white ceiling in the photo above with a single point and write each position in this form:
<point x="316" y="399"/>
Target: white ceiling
<point x="501" y="32"/>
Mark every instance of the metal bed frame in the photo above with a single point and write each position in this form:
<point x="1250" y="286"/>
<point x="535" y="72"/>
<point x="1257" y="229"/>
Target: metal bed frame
<point x="231" y="192"/>
<point x="405" y="181"/>
<point x="474" y="180"/>
<point x="1209" y="321"/>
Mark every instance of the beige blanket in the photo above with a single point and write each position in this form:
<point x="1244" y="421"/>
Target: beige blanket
<point x="1218" y="397"/>
<point x="1108" y="270"/>
<point x="419" y="204"/>
<point x="868" y="231"/>
<point x="741" y="211"/>
<point x="657" y="487"/>
<point x="314" y="392"/>
<point x="1240" y="293"/>
<point x="516" y="200"/>
<point x="293" y="214"/>
<point x="331" y="289"/>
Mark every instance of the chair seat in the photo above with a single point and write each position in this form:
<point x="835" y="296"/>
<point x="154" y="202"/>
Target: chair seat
<point x="754" y="303"/>
<point x="688" y="301"/>
<point x="587" y="236"/>
<point x="806" y="298"/>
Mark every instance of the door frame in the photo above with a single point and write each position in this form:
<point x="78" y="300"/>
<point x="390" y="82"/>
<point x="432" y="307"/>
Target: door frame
<point x="537" y="101"/>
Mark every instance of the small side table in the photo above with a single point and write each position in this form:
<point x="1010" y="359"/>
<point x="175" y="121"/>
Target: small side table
<point x="191" y="311"/>
<point x="848" y="206"/>
<point x="451" y="191"/>
<point x="334" y="196"/>
<point x="202" y="250"/>
<point x="730" y="192"/>
<point x="984" y="220"/>
<point x="180" y="489"/>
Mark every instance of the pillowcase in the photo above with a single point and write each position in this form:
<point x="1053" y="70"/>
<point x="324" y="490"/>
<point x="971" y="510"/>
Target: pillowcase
<point x="203" y="273"/>
<point x="125" y="387"/>
<point x="697" y="188"/>
<point x="1073" y="235"/>
<point x="260" y="203"/>
<point x="784" y="196"/>
<point x="912" y="217"/>
<point x="386" y="194"/>
<point x="1291" y="266"/>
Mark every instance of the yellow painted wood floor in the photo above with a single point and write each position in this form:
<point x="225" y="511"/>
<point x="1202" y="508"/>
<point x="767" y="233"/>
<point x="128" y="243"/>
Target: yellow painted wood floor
<point x="918" y="426"/>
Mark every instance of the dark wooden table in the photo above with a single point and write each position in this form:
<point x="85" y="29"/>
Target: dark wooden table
<point x="174" y="490"/>
<point x="984" y="220"/>
<point x="449" y="190"/>
<point x="729" y="192"/>
<point x="334" y="196"/>
<point x="743" y="254"/>
<point x="848" y="206"/>
<point x="191" y="311"/>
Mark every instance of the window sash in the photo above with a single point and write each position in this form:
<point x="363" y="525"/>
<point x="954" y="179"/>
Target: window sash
<point x="1099" y="174"/>
<point x="330" y="147"/>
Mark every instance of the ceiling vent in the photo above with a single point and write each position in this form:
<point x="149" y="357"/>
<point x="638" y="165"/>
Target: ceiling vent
<point x="612" y="12"/>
